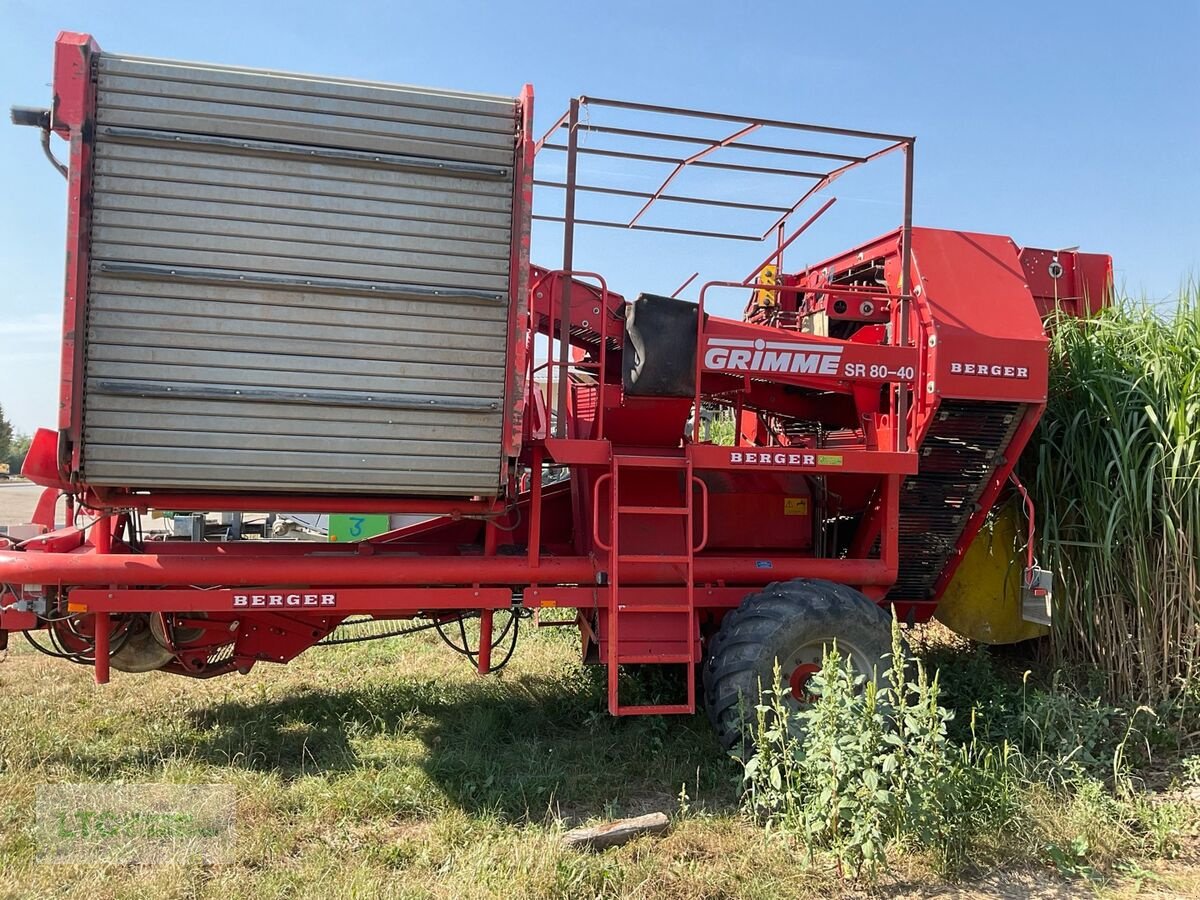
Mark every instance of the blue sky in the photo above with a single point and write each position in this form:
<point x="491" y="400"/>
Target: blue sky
<point x="1056" y="123"/>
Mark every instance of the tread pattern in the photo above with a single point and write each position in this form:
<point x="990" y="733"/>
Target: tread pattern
<point x="783" y="613"/>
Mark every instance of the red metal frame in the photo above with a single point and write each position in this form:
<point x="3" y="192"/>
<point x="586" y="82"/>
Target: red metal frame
<point x="73" y="119"/>
<point x="949" y="314"/>
<point x="518" y="320"/>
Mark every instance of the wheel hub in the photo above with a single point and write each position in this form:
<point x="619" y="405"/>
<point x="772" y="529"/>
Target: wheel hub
<point x="806" y="660"/>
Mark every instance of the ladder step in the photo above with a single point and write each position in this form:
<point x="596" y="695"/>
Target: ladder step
<point x="669" y="710"/>
<point x="653" y="510"/>
<point x="654" y="608"/>
<point x="651" y="462"/>
<point x="652" y="558"/>
<point x="652" y="658"/>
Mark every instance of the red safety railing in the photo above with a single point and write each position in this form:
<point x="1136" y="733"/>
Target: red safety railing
<point x="565" y="279"/>
<point x="903" y="435"/>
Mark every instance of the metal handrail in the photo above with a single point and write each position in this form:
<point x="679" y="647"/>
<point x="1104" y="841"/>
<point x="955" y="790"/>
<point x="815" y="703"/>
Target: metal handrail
<point x="901" y="425"/>
<point x="563" y="364"/>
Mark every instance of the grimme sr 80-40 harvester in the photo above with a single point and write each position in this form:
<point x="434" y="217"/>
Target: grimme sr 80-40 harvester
<point x="298" y="293"/>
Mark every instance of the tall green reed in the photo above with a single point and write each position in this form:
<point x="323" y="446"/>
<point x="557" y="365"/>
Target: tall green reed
<point x="1115" y="470"/>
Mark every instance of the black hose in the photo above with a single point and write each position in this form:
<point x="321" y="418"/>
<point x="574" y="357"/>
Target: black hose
<point x="464" y="649"/>
<point x="62" y="170"/>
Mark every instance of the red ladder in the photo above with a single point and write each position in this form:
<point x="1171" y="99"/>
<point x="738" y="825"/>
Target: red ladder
<point x="685" y="609"/>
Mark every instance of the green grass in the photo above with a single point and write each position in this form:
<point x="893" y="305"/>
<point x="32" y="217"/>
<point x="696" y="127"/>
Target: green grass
<point x="390" y="769"/>
<point x="1030" y="771"/>
<point x="386" y="769"/>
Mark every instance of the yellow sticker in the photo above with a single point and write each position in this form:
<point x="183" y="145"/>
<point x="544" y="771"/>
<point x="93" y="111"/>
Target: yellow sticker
<point x="766" y="275"/>
<point x="823" y="460"/>
<point x="795" y="506"/>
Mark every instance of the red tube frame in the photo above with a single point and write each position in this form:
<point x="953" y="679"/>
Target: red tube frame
<point x="73" y="119"/>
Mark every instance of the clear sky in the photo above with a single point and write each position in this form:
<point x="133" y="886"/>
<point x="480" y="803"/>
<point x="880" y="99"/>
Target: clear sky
<point x="1060" y="124"/>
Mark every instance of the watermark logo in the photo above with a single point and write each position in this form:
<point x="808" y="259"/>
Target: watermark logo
<point x="146" y="824"/>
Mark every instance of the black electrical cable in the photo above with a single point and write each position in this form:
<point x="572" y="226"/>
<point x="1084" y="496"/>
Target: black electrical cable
<point x="494" y="521"/>
<point x="78" y="656"/>
<point x="62" y="170"/>
<point x="512" y="625"/>
<point x="73" y="657"/>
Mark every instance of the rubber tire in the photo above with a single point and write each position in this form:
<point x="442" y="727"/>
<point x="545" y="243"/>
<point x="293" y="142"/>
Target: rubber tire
<point x="771" y="624"/>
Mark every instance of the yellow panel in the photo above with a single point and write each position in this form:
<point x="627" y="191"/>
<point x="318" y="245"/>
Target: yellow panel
<point x="983" y="600"/>
<point x="766" y="275"/>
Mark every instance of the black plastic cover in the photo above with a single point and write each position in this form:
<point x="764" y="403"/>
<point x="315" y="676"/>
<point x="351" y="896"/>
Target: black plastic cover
<point x="659" y="358"/>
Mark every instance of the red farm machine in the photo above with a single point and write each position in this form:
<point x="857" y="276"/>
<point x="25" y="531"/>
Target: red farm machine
<point x="306" y="294"/>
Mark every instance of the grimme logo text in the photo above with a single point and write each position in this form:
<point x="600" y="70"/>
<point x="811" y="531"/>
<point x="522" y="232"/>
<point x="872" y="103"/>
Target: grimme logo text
<point x="731" y="355"/>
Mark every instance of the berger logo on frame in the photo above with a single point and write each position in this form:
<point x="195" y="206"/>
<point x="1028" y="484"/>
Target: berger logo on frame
<point x="283" y="601"/>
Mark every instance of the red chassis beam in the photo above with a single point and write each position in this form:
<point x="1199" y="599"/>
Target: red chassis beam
<point x="182" y="500"/>
<point x="587" y="598"/>
<point x="378" y="601"/>
<point x="162" y="570"/>
<point x="381" y="602"/>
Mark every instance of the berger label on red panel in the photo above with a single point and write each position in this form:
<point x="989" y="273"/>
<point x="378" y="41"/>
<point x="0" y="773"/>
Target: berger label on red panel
<point x="283" y="601"/>
<point x="778" y="457"/>
<point x="988" y="370"/>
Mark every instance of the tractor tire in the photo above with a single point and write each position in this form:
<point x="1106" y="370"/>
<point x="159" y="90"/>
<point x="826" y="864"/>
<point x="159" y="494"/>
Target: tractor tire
<point x="792" y="622"/>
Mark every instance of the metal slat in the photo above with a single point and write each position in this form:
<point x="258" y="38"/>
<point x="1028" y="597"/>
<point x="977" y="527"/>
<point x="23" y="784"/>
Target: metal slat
<point x="304" y="284"/>
<point x="295" y="233"/>
<point x="266" y="477"/>
<point x="214" y="440"/>
<point x="360" y="222"/>
<point x="180" y="418"/>
<point x="110" y="156"/>
<point x="283" y="265"/>
<point x="317" y="381"/>
<point x="319" y="133"/>
<point x="395" y="189"/>
<point x="267" y="456"/>
<point x="960" y="454"/>
<point x="235" y="309"/>
<point x="216" y="241"/>
<point x="432" y="367"/>
<point x="112" y="186"/>
<point x="113" y="326"/>
<point x="283" y="416"/>
<point x="315" y="298"/>
<point x="272" y="122"/>
<point x="115" y="138"/>
<point x="310" y="399"/>
<point x="391" y="109"/>
<point x="159" y="340"/>
<point x="156" y="222"/>
<point x="292" y="83"/>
